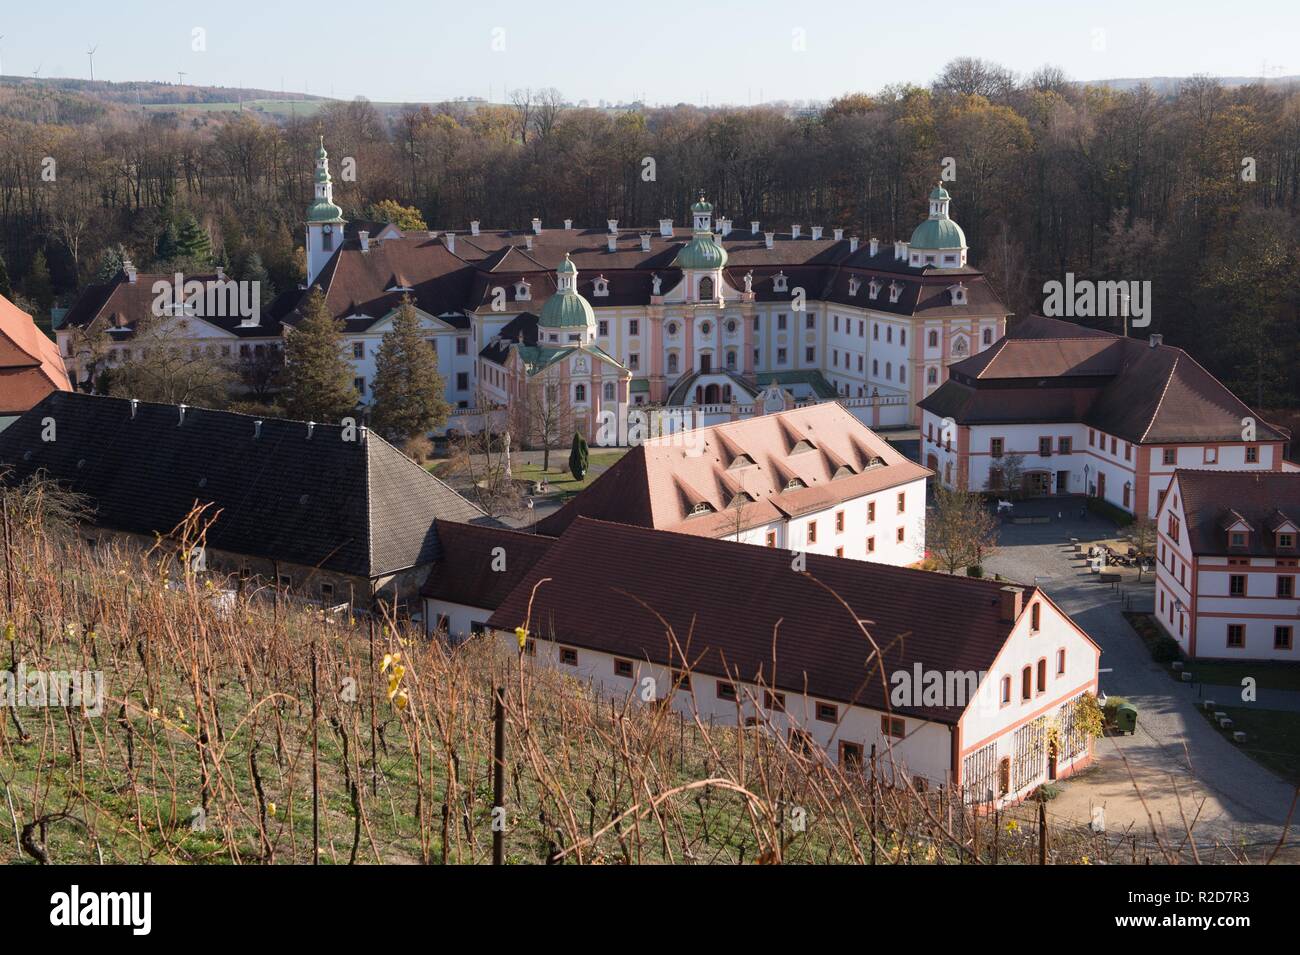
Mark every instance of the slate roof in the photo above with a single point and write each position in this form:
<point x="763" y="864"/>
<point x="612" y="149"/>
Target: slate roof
<point x="1047" y="370"/>
<point x="355" y="507"/>
<point x="121" y="303"/>
<point x="742" y="472"/>
<point x="479" y="565"/>
<point x="1263" y="499"/>
<point x="741" y="612"/>
<point x="30" y="366"/>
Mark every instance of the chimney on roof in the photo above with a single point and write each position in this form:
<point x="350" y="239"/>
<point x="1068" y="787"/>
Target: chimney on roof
<point x="129" y="268"/>
<point x="364" y="237"/>
<point x="612" y="241"/>
<point x="724" y="226"/>
<point x="1012" y="598"/>
<point x="839" y="235"/>
<point x="473" y="227"/>
<point x="898" y="249"/>
<point x="311" y="426"/>
<point x="753" y="226"/>
<point x="528" y="242"/>
<point x="795" y="230"/>
<point x="875" y="246"/>
<point x="816" y="232"/>
<point x="135" y="403"/>
<point x="645" y="241"/>
<point x="666" y="228"/>
<point x="568" y="225"/>
<point x="769" y="238"/>
<point x="181" y="420"/>
<point x="613" y="225"/>
<point x="853" y="243"/>
<point x="221" y="273"/>
<point x="449" y="239"/>
<point x="1156" y="340"/>
<point x="537" y="227"/>
<point x="257" y="430"/>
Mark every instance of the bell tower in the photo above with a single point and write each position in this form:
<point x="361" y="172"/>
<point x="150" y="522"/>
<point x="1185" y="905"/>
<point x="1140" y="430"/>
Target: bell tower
<point x="325" y="220"/>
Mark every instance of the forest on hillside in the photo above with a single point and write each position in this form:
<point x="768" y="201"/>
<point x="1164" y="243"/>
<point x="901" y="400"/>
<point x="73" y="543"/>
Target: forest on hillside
<point x="1195" y="190"/>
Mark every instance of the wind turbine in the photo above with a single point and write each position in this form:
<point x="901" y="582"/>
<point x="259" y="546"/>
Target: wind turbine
<point x="180" y="76"/>
<point x="90" y="54"/>
<point x="36" y="73"/>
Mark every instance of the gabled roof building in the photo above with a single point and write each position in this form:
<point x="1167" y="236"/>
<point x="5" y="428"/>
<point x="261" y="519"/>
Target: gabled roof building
<point x="30" y="367"/>
<point x="323" y="510"/>
<point x="1081" y="411"/>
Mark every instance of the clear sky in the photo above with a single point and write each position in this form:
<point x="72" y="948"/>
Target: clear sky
<point x="664" y="51"/>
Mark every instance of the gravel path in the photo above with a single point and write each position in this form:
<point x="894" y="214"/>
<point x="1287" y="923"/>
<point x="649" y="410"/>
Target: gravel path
<point x="1176" y="760"/>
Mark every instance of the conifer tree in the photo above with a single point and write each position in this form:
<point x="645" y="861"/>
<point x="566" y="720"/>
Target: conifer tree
<point x="319" y="377"/>
<point x="6" y="289"/>
<point x="407" y="394"/>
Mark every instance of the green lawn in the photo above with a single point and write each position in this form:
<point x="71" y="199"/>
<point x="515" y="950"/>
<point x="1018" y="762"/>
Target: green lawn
<point x="1272" y="737"/>
<point x="1266" y="674"/>
<point x="561" y="481"/>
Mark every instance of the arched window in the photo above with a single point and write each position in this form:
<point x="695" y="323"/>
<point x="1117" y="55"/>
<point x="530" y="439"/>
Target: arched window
<point x="889" y="369"/>
<point x="1042" y="675"/>
<point x="609" y="391"/>
<point x="902" y="374"/>
<point x="934" y="339"/>
<point x="579" y="392"/>
<point x="988" y="336"/>
<point x="932" y="376"/>
<point x="1026" y="683"/>
<point x="706" y="288"/>
<point x="731" y="360"/>
<point x="1006" y="689"/>
<point x="1034" y="617"/>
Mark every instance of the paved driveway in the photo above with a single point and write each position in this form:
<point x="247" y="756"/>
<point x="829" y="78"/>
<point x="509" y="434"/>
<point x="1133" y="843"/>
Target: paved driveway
<point x="1176" y="763"/>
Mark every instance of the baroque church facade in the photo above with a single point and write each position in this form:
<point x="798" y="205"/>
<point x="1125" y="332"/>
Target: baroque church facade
<point x="710" y="318"/>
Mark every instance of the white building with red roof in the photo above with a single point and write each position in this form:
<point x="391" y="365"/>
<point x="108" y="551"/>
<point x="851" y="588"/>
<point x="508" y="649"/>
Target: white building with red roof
<point x="1227" y="562"/>
<point x="30" y="367"/>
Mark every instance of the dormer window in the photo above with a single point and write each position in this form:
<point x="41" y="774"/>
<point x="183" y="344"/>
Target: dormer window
<point x="703" y="507"/>
<point x="803" y="445"/>
<point x="523" y="291"/>
<point x="873" y="289"/>
<point x="779" y="282"/>
<point x="741" y="460"/>
<point x="1286" y="540"/>
<point x="600" y="287"/>
<point x="1238" y="538"/>
<point x="794" y="484"/>
<point x="842" y="471"/>
<point x="895" y="290"/>
<point x="854" y="284"/>
<point x="741" y="499"/>
<point x="958" y="293"/>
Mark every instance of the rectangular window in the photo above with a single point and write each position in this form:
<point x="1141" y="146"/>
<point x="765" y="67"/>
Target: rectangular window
<point x="995" y="447"/>
<point x="812" y="532"/>
<point x="1252" y="454"/>
<point x="1044" y="447"/>
<point x="839" y="552"/>
<point x="682" y="681"/>
<point x="771" y="538"/>
<point x="1286" y="587"/>
<point x="850" y="755"/>
<point x="633" y="360"/>
<point x="780" y="356"/>
<point x="1170" y="456"/>
<point x="810" y="321"/>
<point x="810" y="353"/>
<point x="1060" y="662"/>
<point x="902" y="501"/>
<point x="358" y="349"/>
<point x="1211" y="456"/>
<point x="360" y="385"/>
<point x="828" y="712"/>
<point x="623" y="668"/>
<point x="1281" y="638"/>
<point x="569" y="656"/>
<point x="284" y="581"/>
<point x="871" y="512"/>
<point x="871" y="545"/>
<point x="894" y="726"/>
<point x="1092" y="438"/>
<point x="462" y="346"/>
<point x="326" y="593"/>
<point x="1064" y="445"/>
<point x="1236" y="635"/>
<point x="780" y="323"/>
<point x="633" y="326"/>
<point x="773" y="701"/>
<point x="602" y="327"/>
<point x="1237" y="585"/>
<point x="726" y="691"/>
<point x="462" y="381"/>
<point x="900" y="535"/>
<point x="839" y="522"/>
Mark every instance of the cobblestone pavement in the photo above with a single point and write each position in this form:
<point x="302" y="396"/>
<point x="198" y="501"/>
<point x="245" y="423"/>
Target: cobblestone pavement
<point x="1176" y="764"/>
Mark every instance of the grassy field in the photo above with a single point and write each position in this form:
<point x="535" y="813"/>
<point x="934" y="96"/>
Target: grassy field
<point x="1272" y="737"/>
<point x="559" y="478"/>
<point x="277" y="107"/>
<point x="1267" y="674"/>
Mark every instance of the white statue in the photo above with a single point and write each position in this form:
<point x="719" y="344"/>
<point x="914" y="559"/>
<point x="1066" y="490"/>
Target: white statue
<point x="749" y="281"/>
<point x="657" y="283"/>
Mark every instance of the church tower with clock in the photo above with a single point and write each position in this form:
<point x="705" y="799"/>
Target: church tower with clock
<point x="325" y="220"/>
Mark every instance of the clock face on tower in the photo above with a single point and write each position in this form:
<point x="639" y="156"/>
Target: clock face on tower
<point x="329" y="229"/>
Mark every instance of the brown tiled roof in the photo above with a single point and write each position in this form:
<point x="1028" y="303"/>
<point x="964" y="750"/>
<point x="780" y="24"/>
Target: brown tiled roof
<point x="30" y="366"/>
<point x="743" y="612"/>
<point x="479" y="565"/>
<point x="1049" y="370"/>
<point x="357" y="283"/>
<point x="1263" y="499"/>
<point x="659" y="483"/>
<point x="120" y="304"/>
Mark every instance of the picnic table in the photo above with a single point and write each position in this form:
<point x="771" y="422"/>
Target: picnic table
<point x="1109" y="578"/>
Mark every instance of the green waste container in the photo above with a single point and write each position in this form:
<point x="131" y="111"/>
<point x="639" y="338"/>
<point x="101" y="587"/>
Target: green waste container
<point x="1126" y="718"/>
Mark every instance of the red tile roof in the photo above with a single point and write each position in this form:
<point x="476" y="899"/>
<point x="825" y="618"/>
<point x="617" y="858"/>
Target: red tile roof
<point x="739" y="611"/>
<point x="1048" y="370"/>
<point x="1263" y="499"/>
<point x="30" y="366"/>
<point x="661" y="482"/>
<point x="479" y="564"/>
